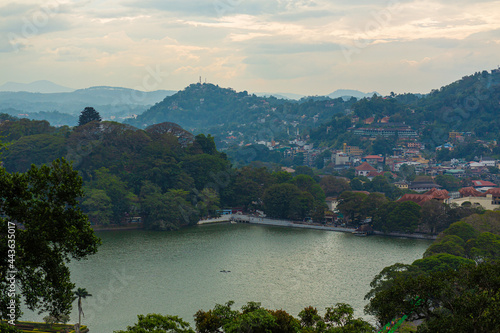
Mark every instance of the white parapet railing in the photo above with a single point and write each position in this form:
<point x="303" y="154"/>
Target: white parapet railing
<point x="220" y="219"/>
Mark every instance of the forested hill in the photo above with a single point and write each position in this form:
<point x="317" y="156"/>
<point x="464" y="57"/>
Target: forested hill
<point x="158" y="169"/>
<point x="209" y="108"/>
<point x="203" y="105"/>
<point x="471" y="104"/>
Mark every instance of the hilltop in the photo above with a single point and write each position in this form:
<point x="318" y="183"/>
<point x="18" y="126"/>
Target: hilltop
<point x="235" y="117"/>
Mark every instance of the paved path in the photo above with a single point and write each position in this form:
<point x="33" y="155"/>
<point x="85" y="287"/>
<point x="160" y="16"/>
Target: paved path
<point x="291" y="224"/>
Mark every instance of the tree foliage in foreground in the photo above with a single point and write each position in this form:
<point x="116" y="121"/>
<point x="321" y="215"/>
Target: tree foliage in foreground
<point x="254" y="318"/>
<point x="50" y="230"/>
<point x="463" y="300"/>
<point x="158" y="324"/>
<point x="457" y="283"/>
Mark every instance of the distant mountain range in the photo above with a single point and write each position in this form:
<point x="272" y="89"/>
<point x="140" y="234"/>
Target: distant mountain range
<point x="280" y="95"/>
<point x="61" y="105"/>
<point x="344" y="93"/>
<point x="41" y="86"/>
<point x="111" y="102"/>
<point x="351" y="93"/>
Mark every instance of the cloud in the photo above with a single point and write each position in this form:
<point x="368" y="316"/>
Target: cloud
<point x="296" y="44"/>
<point x="14" y="9"/>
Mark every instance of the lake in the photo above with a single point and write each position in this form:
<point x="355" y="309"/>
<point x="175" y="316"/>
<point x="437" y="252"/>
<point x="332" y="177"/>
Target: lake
<point x="178" y="273"/>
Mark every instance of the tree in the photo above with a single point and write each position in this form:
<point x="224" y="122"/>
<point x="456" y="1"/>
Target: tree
<point x="463" y="300"/>
<point x="42" y="207"/>
<point x="156" y="323"/>
<point x="212" y="321"/>
<point x="405" y="217"/>
<point x="407" y="172"/>
<point x="98" y="205"/>
<point x="340" y="319"/>
<point x="88" y="114"/>
<point x="255" y="320"/>
<point x="170" y="210"/>
<point x="434" y="216"/>
<point x="286" y="323"/>
<point x="121" y="198"/>
<point x="318" y="211"/>
<point x="81" y="293"/>
<point x="303" y="170"/>
<point x="397" y="216"/>
<point x="279" y="200"/>
<point x="357" y="184"/>
<point x="372" y="203"/>
<point x="350" y="204"/>
<point x="204" y="144"/>
<point x="310" y="318"/>
<point x="450" y="244"/>
<point x="334" y="186"/>
<point x="448" y="182"/>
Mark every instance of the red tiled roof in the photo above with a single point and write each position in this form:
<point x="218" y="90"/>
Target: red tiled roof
<point x="494" y="191"/>
<point x="365" y="167"/>
<point x="369" y="120"/>
<point x="374" y="157"/>
<point x="470" y="192"/>
<point x="438" y="194"/>
<point x="483" y="183"/>
<point x="416" y="198"/>
<point x="420" y="199"/>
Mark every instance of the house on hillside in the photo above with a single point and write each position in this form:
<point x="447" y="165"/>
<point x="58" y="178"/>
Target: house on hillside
<point x="423" y="186"/>
<point x="364" y="169"/>
<point x="369" y="121"/>
<point x="483" y="185"/>
<point x="332" y="203"/>
<point x="373" y="159"/>
<point x="373" y="174"/>
<point x="488" y="161"/>
<point x="401" y="185"/>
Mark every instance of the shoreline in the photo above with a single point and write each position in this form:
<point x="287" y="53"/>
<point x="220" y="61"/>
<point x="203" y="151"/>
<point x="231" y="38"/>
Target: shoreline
<point x="291" y="224"/>
<point x="114" y="227"/>
<point x="271" y="222"/>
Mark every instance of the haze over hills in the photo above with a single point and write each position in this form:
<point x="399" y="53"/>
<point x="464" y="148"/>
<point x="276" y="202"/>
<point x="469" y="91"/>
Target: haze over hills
<point x="351" y="93"/>
<point x="111" y="102"/>
<point x="281" y="95"/>
<point x="41" y="86"/>
<point x="344" y="93"/>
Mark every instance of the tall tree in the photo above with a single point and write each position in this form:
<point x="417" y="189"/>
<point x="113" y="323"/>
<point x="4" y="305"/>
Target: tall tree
<point x="80" y="293"/>
<point x="279" y="200"/>
<point x="41" y="208"/>
<point x="88" y="114"/>
<point x="334" y="186"/>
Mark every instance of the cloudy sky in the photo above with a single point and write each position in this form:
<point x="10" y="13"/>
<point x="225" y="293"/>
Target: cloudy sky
<point x="297" y="46"/>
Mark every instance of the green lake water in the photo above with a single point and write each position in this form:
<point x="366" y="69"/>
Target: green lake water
<point x="178" y="273"/>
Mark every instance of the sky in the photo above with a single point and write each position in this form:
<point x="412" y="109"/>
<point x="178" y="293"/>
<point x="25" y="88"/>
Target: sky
<point x="308" y="47"/>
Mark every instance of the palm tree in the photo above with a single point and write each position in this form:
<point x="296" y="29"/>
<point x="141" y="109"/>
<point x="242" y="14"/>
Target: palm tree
<point x="80" y="293"/>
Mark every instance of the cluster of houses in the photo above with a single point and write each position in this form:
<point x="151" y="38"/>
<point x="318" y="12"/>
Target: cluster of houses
<point x="483" y="193"/>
